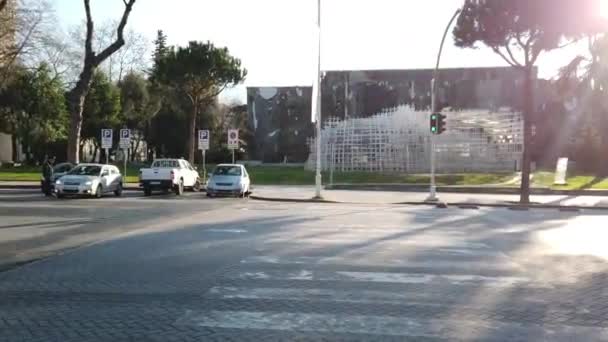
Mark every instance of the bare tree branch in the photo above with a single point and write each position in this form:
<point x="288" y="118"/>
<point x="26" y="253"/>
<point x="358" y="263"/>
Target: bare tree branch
<point x="501" y="54"/>
<point x="88" y="44"/>
<point x="120" y="40"/>
<point x="511" y="55"/>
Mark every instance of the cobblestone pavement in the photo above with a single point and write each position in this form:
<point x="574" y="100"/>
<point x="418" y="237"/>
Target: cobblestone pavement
<point x="268" y="271"/>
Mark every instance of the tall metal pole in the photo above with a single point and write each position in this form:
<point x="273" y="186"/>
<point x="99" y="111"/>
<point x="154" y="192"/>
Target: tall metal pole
<point x="433" y="187"/>
<point x="204" y="167"/>
<point x="318" y="179"/>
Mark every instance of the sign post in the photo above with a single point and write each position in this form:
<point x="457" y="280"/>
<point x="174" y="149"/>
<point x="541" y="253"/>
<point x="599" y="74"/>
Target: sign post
<point x="106" y="142"/>
<point x="125" y="143"/>
<point x="561" y="171"/>
<point x="203" y="145"/>
<point x="233" y="141"/>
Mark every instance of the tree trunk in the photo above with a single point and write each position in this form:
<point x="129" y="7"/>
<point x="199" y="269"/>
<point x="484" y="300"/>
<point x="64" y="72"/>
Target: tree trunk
<point x="528" y="114"/>
<point x="192" y="132"/>
<point x="135" y="151"/>
<point x="76" y="99"/>
<point x="15" y="147"/>
<point x="94" y="156"/>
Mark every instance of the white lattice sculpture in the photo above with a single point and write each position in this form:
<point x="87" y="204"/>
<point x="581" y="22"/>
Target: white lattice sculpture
<point x="398" y="140"/>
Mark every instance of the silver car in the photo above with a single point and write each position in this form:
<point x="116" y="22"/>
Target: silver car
<point x="229" y="179"/>
<point x="59" y="171"/>
<point x="91" y="180"/>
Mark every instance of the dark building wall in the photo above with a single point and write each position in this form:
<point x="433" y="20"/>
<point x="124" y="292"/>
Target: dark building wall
<point x="280" y="117"/>
<point x="364" y="93"/>
<point x="280" y="121"/>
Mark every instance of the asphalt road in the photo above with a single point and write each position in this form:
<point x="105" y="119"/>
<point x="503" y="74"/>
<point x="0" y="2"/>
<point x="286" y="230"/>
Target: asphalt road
<point x="197" y="269"/>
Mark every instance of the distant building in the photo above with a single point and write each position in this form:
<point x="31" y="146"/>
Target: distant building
<point x="280" y="116"/>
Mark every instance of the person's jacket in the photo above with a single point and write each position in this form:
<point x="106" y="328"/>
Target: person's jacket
<point x="47" y="170"/>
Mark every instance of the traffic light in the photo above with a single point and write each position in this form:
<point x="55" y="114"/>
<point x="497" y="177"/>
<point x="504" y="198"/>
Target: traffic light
<point x="441" y="125"/>
<point x="437" y="123"/>
<point x="433" y="123"/>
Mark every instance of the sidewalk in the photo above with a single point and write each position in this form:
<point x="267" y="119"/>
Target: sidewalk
<point x="305" y="193"/>
<point x="36" y="185"/>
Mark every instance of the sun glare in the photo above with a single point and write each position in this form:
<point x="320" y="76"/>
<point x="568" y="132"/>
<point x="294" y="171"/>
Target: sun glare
<point x="604" y="8"/>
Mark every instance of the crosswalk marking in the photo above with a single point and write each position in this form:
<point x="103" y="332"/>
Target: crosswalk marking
<point x="345" y="239"/>
<point x="446" y="259"/>
<point x="385" y="277"/>
<point x="388" y="325"/>
<point x="396" y="296"/>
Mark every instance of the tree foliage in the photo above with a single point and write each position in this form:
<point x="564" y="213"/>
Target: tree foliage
<point x="101" y="109"/>
<point x="519" y="31"/>
<point x="198" y="72"/>
<point x="92" y="59"/>
<point x="26" y="27"/>
<point x="33" y="109"/>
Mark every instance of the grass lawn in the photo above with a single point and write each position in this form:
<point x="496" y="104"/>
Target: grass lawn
<point x="276" y="175"/>
<point x="575" y="182"/>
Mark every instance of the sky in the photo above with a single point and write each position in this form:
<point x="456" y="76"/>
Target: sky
<point x="276" y="39"/>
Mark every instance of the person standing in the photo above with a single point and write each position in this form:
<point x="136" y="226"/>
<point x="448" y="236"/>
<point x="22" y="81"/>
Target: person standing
<point x="47" y="174"/>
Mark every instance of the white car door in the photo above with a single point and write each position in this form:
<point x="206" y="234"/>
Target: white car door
<point x="246" y="180"/>
<point x="192" y="174"/>
<point x="114" y="178"/>
<point x="105" y="179"/>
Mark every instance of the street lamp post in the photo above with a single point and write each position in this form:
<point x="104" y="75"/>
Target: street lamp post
<point x="318" y="179"/>
<point x="433" y="188"/>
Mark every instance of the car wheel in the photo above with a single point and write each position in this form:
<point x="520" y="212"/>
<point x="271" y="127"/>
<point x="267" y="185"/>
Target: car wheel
<point x="197" y="186"/>
<point x="118" y="191"/>
<point x="179" y="188"/>
<point x="147" y="191"/>
<point x="60" y="196"/>
<point x="98" y="192"/>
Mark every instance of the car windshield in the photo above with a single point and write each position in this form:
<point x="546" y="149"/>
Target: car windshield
<point x="165" y="163"/>
<point x="227" y="171"/>
<point x="86" y="170"/>
<point x="63" y="167"/>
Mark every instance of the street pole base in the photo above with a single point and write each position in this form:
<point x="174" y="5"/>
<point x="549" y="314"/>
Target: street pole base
<point x="432" y="195"/>
<point x="318" y="186"/>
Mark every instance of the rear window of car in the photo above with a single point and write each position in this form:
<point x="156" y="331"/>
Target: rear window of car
<point x="165" y="163"/>
<point x="227" y="171"/>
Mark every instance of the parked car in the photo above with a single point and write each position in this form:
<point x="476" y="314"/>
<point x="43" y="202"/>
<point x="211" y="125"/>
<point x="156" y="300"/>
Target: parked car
<point x="169" y="174"/>
<point x="229" y="179"/>
<point x="90" y="179"/>
<point x="59" y="170"/>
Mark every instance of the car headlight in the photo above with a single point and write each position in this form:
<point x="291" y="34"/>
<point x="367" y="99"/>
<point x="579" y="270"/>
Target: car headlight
<point x="58" y="182"/>
<point x="88" y="183"/>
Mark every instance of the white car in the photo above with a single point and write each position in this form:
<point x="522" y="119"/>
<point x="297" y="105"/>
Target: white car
<point x="229" y="179"/>
<point x="167" y="174"/>
<point x="90" y="179"/>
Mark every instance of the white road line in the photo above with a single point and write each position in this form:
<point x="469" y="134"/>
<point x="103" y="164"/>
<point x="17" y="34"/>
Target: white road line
<point x="426" y="241"/>
<point x="400" y="278"/>
<point x="342" y="295"/>
<point x="389" y="325"/>
<point x="234" y="231"/>
<point x="377" y="259"/>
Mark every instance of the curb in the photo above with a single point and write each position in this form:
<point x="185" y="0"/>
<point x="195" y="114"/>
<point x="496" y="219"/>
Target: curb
<point x="292" y="200"/>
<point x="37" y="187"/>
<point x="464" y="189"/>
<point x="460" y="205"/>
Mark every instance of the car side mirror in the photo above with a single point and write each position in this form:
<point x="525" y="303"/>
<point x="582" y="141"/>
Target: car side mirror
<point x="104" y="174"/>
